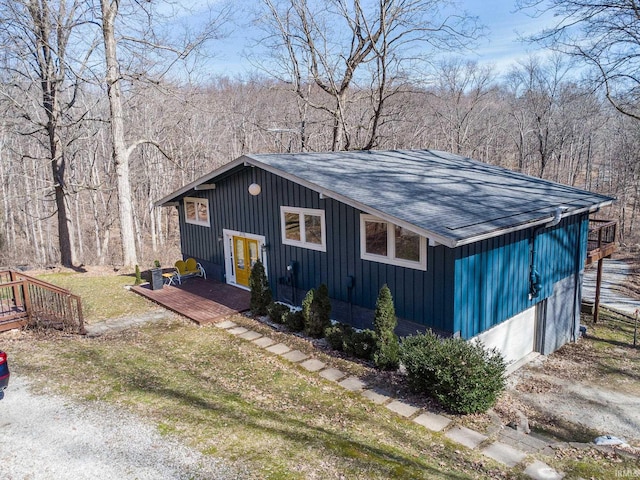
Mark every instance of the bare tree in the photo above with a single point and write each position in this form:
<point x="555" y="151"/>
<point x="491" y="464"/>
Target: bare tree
<point x="153" y="46"/>
<point x="603" y="35"/>
<point x="333" y="43"/>
<point x="36" y="36"/>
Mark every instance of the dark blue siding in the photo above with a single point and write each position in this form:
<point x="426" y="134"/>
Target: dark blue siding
<point x="420" y="296"/>
<point x="492" y="276"/>
<point x="464" y="290"/>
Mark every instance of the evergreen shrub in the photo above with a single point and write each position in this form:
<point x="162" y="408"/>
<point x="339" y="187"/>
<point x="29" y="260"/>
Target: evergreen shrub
<point x="277" y="312"/>
<point x="260" y="290"/>
<point x="464" y="377"/>
<point x="319" y="316"/>
<point x="361" y="344"/>
<point x="386" y="354"/>
<point x="338" y="336"/>
<point x="294" y="320"/>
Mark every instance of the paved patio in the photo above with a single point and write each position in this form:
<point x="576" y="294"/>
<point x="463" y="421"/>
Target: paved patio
<point x="203" y="301"/>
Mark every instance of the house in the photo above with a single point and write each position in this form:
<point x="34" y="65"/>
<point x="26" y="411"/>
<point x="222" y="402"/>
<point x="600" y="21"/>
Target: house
<point x="467" y="249"/>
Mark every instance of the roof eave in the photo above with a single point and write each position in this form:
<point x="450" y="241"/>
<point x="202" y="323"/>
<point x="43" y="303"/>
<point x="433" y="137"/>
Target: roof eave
<point x="503" y="231"/>
<point x="169" y="199"/>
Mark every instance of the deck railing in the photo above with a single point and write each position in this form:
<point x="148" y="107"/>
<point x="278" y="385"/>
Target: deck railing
<point x="25" y="300"/>
<point x="601" y="241"/>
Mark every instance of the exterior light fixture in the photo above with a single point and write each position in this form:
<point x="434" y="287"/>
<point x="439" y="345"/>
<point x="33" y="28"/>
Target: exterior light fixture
<point x="255" y="189"/>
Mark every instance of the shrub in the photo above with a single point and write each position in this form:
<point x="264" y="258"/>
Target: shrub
<point x="463" y="376"/>
<point x="361" y="344"/>
<point x="260" y="290"/>
<point x="277" y="312"/>
<point x="386" y="355"/>
<point x="319" y="316"/>
<point x="138" y="276"/>
<point x="338" y="336"/>
<point x="294" y="320"/>
<point x="306" y="304"/>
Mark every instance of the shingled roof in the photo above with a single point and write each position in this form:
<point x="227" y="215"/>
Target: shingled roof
<point x="451" y="199"/>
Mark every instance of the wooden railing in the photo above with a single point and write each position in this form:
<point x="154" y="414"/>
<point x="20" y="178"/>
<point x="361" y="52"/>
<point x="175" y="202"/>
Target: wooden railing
<point x="25" y="300"/>
<point x="601" y="241"/>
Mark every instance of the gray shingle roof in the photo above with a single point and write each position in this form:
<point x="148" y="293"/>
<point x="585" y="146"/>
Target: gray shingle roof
<point x="450" y="198"/>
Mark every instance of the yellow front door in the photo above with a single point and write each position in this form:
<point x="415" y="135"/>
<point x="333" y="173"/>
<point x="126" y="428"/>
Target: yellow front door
<point x="245" y="256"/>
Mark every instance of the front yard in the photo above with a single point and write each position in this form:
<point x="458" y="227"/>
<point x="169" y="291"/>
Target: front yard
<point x="230" y="399"/>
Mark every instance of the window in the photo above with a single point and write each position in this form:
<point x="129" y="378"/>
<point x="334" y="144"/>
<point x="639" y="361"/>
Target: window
<point x="384" y="242"/>
<point x="303" y="227"/>
<point x="197" y="211"/>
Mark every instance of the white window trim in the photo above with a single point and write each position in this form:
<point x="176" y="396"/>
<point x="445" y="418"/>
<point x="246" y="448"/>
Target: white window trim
<point x="197" y="200"/>
<point x="302" y="243"/>
<point x="389" y="259"/>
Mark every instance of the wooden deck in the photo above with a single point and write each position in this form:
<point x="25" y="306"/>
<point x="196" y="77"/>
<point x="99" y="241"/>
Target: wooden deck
<point x="602" y="240"/>
<point x="203" y="301"/>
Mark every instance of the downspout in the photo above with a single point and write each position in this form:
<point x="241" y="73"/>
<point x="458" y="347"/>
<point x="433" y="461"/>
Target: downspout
<point x="535" y="283"/>
<point x="577" y="284"/>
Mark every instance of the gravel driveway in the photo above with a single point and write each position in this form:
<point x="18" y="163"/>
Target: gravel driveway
<point x="45" y="437"/>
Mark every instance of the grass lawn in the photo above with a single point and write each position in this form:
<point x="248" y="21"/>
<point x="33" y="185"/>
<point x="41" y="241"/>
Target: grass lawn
<point x="103" y="296"/>
<point x="231" y="399"/>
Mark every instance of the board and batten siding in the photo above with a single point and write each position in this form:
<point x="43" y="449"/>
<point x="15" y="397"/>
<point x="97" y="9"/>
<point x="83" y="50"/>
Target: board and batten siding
<point x="492" y="276"/>
<point x="420" y="296"/>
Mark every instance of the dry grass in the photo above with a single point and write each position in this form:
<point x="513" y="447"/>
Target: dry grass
<point x="104" y="293"/>
<point x="229" y="398"/>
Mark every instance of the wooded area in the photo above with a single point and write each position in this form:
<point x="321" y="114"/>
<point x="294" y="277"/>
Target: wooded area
<point x="73" y="70"/>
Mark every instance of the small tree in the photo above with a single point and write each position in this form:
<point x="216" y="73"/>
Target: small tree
<point x="386" y="356"/>
<point x="319" y="316"/>
<point x="260" y="290"/>
<point x="138" y="276"/>
<point x="306" y="304"/>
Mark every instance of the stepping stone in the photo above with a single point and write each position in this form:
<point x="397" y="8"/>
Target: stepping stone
<point x="353" y="384"/>
<point x="465" y="436"/>
<point x="541" y="471"/>
<point x="295" y="356"/>
<point x="313" y="365"/>
<point x="332" y="374"/>
<point x="264" y="342"/>
<point x="503" y="453"/>
<point x="226" y="324"/>
<point x="237" y="330"/>
<point x="250" y="335"/>
<point x="432" y="421"/>
<point x="401" y="408"/>
<point x="376" y="397"/>
<point x="278" y="349"/>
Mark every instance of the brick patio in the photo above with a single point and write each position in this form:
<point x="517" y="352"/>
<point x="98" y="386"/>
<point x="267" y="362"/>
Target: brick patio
<point x="203" y="301"/>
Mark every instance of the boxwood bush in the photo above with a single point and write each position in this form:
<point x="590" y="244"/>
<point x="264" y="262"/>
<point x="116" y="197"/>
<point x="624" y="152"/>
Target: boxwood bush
<point x="362" y="344"/>
<point x="338" y="336"/>
<point x="294" y="320"/>
<point x="463" y="376"/>
<point x="359" y="343"/>
<point x="277" y="312"/>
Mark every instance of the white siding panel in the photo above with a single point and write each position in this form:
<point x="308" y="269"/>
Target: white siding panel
<point x="514" y="337"/>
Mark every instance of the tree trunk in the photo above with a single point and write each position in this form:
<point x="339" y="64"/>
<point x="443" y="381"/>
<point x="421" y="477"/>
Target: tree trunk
<point x="120" y="154"/>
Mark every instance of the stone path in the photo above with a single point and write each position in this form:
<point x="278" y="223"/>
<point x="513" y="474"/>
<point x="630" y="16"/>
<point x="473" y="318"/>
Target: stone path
<point x="511" y="448"/>
<point x="122" y="323"/>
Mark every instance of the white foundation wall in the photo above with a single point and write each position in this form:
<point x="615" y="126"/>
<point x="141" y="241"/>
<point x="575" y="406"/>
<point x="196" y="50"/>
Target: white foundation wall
<point x="515" y="337"/>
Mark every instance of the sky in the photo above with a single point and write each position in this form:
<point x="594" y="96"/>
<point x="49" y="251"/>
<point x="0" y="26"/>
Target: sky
<point x="501" y="47"/>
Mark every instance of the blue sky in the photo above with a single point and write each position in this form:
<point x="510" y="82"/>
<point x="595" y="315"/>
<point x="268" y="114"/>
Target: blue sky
<point x="506" y="25"/>
<point x="500" y="48"/>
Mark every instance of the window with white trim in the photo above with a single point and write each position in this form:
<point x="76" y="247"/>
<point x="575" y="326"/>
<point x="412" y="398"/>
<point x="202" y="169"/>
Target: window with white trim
<point x="385" y="242"/>
<point x="303" y="227"/>
<point x="196" y="211"/>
